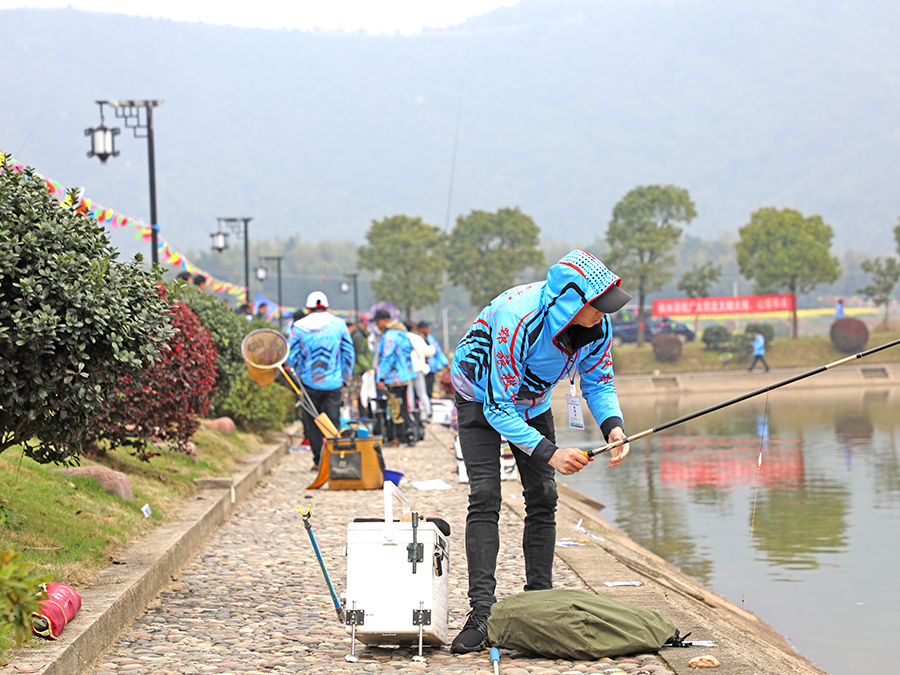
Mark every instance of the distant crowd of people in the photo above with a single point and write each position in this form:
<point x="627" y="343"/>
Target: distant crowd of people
<point x="385" y="373"/>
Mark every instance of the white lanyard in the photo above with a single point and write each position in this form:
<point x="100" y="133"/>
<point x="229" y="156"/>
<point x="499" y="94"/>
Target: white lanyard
<point x="573" y="401"/>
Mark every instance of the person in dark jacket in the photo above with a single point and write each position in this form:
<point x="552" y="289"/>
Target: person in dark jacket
<point x="360" y="337"/>
<point x="504" y="369"/>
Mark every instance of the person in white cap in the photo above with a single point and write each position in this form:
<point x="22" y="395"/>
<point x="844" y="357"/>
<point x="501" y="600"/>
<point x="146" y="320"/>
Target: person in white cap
<point x="322" y="354"/>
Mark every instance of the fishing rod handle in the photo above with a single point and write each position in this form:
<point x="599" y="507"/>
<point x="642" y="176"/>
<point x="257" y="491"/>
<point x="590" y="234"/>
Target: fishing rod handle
<point x="616" y="444"/>
<point x="605" y="448"/>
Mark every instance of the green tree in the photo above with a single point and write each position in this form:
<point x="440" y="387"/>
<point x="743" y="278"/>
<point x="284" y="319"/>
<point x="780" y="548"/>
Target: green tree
<point x="642" y="236"/>
<point x="696" y="281"/>
<point x="409" y="257"/>
<point x="73" y="320"/>
<point x="885" y="275"/>
<point x="488" y="250"/>
<point x="782" y="250"/>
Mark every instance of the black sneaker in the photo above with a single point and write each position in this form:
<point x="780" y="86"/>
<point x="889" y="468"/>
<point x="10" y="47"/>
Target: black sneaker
<point x="474" y="635"/>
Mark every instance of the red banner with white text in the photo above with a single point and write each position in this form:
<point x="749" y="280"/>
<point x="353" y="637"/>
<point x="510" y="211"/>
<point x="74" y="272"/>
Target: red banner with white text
<point x="741" y="304"/>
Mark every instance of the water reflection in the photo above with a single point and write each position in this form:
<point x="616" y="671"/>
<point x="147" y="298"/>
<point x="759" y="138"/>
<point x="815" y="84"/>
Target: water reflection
<point x="821" y="510"/>
<point x="795" y="528"/>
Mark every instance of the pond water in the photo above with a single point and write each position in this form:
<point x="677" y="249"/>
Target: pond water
<point x="805" y="539"/>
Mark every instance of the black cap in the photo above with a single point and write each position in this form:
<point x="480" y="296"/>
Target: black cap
<point x="423" y="324"/>
<point x="381" y="314"/>
<point x="611" y="300"/>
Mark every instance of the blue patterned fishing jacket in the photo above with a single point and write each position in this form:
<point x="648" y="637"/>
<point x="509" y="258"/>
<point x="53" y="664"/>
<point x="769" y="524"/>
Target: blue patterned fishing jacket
<point x="393" y="363"/>
<point x="321" y="351"/>
<point x="523" y="343"/>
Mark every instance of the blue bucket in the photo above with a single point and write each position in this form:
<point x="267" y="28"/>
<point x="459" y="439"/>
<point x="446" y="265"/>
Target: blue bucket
<point x="393" y="476"/>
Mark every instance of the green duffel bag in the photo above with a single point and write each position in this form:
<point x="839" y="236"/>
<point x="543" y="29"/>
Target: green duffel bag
<point x="575" y="625"/>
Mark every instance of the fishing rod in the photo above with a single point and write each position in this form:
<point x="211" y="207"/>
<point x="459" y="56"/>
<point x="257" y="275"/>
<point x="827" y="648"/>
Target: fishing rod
<point x="738" y="399"/>
<point x="334" y="598"/>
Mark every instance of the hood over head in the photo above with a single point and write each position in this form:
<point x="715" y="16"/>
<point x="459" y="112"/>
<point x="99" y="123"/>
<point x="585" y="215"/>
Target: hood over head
<point x="579" y="279"/>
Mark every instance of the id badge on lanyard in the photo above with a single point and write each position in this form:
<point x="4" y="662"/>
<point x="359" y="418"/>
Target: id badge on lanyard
<point x="573" y="404"/>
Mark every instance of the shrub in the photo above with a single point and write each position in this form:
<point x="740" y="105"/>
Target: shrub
<point x="73" y="320"/>
<point x="256" y="408"/>
<point x="165" y="401"/>
<point x="768" y="332"/>
<point x="666" y="347"/>
<point x="227" y="330"/>
<point x="716" y="337"/>
<point x="742" y="347"/>
<point x="10" y="518"/>
<point x="849" y="336"/>
<point x="19" y="599"/>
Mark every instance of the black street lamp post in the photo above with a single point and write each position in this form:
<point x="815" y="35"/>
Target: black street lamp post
<point x="262" y="272"/>
<point x="345" y="288"/>
<point x="240" y="228"/>
<point x="103" y="145"/>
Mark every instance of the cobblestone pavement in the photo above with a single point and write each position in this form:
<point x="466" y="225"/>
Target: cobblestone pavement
<point x="254" y="599"/>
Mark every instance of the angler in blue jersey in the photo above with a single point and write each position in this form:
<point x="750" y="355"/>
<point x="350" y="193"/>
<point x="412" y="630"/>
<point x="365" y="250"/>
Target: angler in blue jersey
<point x="521" y="345"/>
<point x="322" y="354"/>
<point x="394" y="371"/>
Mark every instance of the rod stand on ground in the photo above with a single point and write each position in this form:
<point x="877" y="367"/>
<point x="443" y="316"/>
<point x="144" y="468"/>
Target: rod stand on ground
<point x="354" y="617"/>
<point x="421" y="618"/>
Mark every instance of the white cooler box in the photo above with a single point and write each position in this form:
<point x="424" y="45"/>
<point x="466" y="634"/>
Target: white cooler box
<point x="386" y="599"/>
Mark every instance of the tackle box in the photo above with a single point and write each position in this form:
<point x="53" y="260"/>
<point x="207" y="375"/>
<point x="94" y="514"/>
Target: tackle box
<point x="397" y="577"/>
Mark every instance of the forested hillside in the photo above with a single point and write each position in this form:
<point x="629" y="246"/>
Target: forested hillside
<point x="563" y="107"/>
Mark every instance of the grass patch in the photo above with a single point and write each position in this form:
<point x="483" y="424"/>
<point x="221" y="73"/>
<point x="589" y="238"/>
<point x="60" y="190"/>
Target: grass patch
<point x="804" y="352"/>
<point x="70" y="529"/>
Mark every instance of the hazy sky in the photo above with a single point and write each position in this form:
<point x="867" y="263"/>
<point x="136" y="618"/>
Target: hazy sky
<point x="373" y="16"/>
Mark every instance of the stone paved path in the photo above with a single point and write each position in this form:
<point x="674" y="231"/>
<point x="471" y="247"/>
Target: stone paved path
<point x="254" y="600"/>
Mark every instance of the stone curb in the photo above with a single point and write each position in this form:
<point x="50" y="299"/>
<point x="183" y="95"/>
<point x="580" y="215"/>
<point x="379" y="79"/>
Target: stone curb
<point x="862" y="375"/>
<point x="125" y="591"/>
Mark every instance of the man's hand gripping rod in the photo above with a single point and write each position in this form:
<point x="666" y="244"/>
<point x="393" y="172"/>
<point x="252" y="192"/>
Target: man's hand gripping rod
<point x="617" y="444"/>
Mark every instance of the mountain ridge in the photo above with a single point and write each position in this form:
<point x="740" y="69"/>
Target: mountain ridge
<point x="565" y="106"/>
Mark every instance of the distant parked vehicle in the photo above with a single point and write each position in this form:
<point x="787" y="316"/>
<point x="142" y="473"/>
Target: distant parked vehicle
<point x="625" y="327"/>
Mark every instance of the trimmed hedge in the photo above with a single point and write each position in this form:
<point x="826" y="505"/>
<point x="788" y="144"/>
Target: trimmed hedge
<point x="166" y="401"/>
<point x="742" y="346"/>
<point x="849" y="335"/>
<point x="227" y="330"/>
<point x="666" y="347"/>
<point x="73" y="320"/>
<point x="254" y="408"/>
<point x="767" y="331"/>
<point x="716" y="338"/>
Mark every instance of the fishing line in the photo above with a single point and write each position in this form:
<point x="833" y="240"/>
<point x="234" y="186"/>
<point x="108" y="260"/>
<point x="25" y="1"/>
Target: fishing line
<point x="738" y="399"/>
<point x="437" y="314"/>
<point x="763" y="438"/>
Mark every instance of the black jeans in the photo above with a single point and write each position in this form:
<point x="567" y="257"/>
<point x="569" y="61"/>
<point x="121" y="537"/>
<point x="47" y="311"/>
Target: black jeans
<point x="480" y="444"/>
<point x="759" y="357"/>
<point x="326" y="401"/>
<point x="403" y="428"/>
